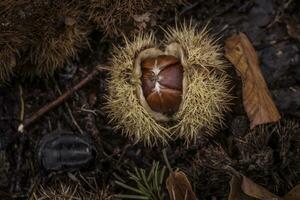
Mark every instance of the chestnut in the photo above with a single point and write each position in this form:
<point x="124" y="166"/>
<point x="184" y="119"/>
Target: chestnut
<point x="162" y="78"/>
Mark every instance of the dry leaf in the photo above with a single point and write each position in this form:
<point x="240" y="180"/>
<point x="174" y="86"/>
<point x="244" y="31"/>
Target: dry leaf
<point x="257" y="100"/>
<point x="294" y="194"/>
<point x="179" y="187"/>
<point x="243" y="188"/>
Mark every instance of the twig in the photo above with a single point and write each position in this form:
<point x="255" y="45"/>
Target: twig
<point x="232" y="171"/>
<point x="68" y="108"/>
<point x="287" y="4"/>
<point x="166" y="160"/>
<point x="172" y="174"/>
<point x="189" y="7"/>
<point x="64" y="96"/>
<point x="90" y="122"/>
<point x="15" y="179"/>
<point x="183" y="12"/>
<point x="22" y="108"/>
<point x="21" y="103"/>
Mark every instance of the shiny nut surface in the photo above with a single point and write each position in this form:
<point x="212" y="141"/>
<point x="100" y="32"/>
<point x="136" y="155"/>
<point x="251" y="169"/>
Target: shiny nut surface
<point x="162" y="83"/>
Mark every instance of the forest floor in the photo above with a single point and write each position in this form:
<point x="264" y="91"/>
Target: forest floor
<point x="273" y="28"/>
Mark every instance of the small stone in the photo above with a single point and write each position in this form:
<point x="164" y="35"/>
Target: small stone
<point x="65" y="151"/>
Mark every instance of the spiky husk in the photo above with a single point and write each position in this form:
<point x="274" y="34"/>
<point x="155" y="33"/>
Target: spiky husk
<point x="69" y="190"/>
<point x="205" y="99"/>
<point x="116" y="18"/>
<point x="123" y="107"/>
<point x="12" y="38"/>
<point x="8" y="54"/>
<point x="55" y="41"/>
<point x="40" y="40"/>
<point x="207" y="94"/>
<point x="270" y="154"/>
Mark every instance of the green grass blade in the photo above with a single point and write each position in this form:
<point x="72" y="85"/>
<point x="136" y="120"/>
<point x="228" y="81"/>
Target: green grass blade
<point x="128" y="187"/>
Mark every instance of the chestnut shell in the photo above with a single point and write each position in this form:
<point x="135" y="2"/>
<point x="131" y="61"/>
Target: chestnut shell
<point x="162" y="78"/>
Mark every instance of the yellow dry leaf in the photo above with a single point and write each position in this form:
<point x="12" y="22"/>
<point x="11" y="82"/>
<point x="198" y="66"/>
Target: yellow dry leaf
<point x="179" y="187"/>
<point x="257" y="100"/>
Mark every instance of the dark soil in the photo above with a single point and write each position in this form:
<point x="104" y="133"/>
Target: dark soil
<point x="272" y="27"/>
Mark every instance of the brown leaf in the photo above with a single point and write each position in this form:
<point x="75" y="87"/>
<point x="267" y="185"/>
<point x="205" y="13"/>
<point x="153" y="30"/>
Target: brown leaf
<point x="179" y="187"/>
<point x="294" y="194"/>
<point x="257" y="100"/>
<point x="243" y="188"/>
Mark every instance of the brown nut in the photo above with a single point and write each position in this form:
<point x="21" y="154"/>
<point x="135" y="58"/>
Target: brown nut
<point x="162" y="78"/>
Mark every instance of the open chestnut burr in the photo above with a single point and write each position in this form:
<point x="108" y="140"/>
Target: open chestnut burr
<point x="162" y="78"/>
<point x="175" y="88"/>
